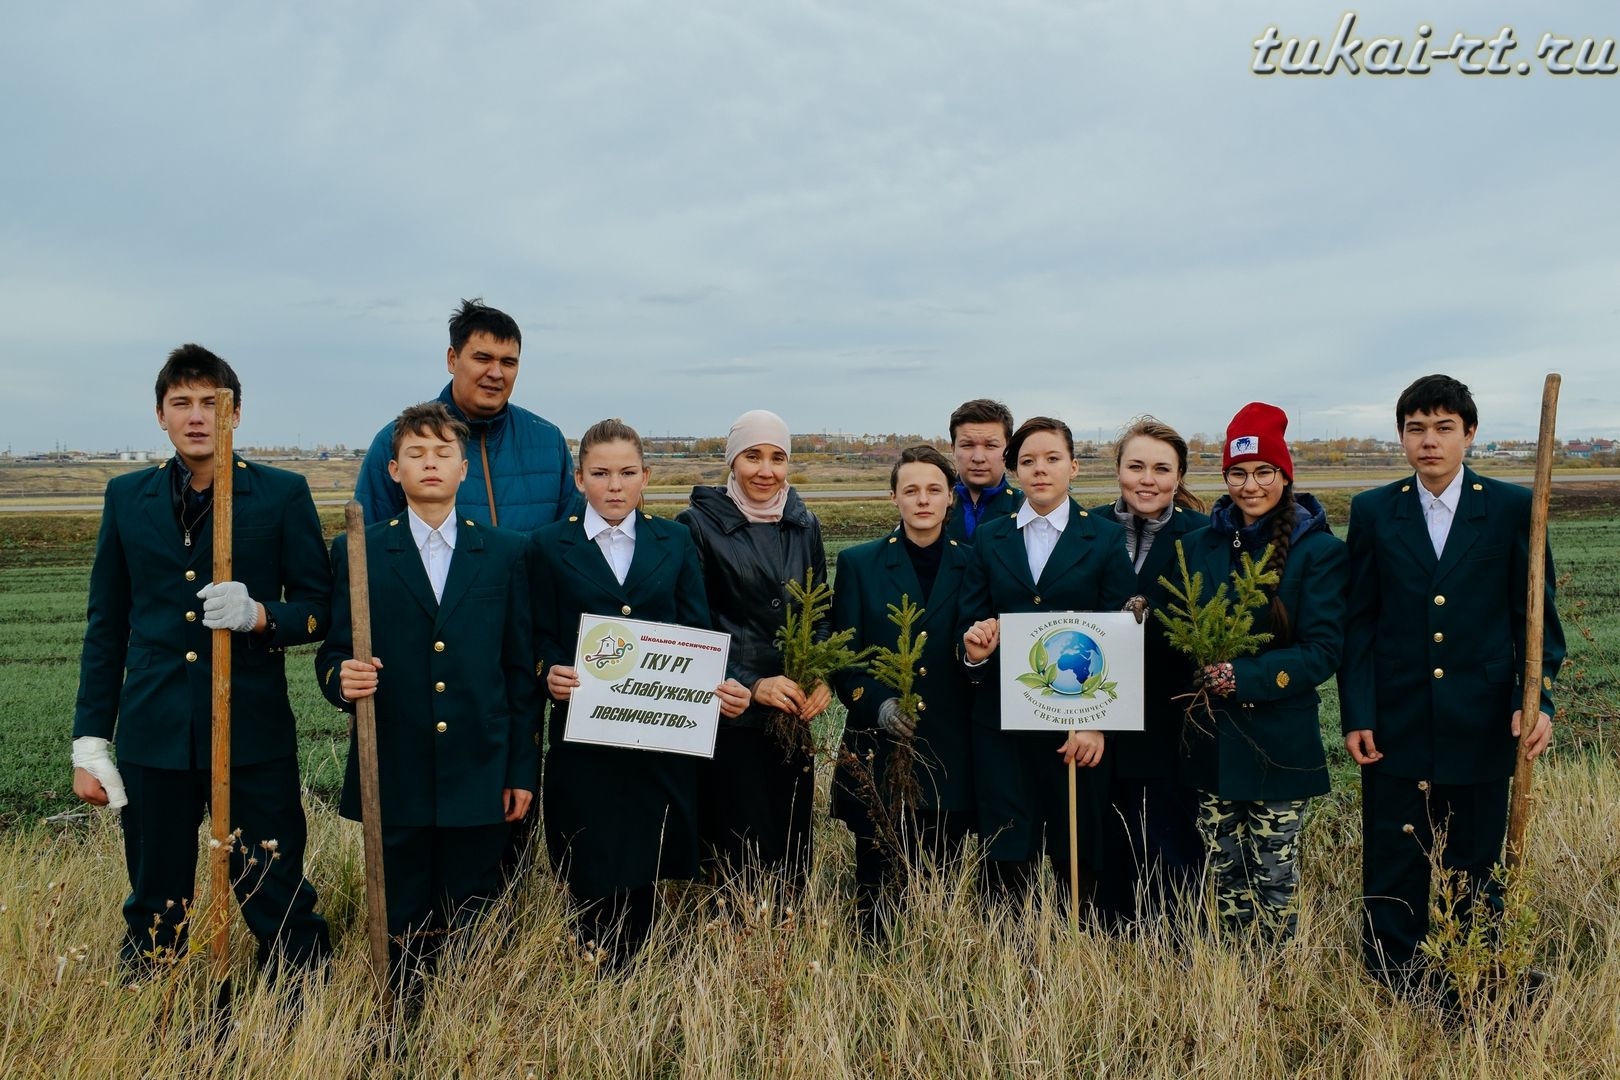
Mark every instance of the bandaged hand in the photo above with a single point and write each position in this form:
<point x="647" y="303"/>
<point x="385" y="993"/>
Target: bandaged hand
<point x="227" y="606"/>
<point x="90" y="754"/>
<point x="893" y="720"/>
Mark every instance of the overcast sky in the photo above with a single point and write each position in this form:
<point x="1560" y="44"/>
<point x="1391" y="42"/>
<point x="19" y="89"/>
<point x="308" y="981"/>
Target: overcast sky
<point x="855" y="214"/>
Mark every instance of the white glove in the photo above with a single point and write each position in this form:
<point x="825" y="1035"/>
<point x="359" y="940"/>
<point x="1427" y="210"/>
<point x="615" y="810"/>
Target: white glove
<point x="227" y="606"/>
<point x="892" y="720"/>
<point x="90" y="754"/>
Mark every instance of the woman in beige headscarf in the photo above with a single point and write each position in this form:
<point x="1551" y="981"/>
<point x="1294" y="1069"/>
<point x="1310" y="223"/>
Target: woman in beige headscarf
<point x="754" y="535"/>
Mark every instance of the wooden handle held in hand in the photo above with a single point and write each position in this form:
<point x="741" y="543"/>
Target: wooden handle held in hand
<point x="1534" y="620"/>
<point x="365" y="730"/>
<point x="219" y="811"/>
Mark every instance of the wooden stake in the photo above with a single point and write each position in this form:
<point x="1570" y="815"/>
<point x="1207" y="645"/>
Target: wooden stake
<point x="1074" y="850"/>
<point x="219" y="863"/>
<point x="365" y="726"/>
<point x="1534" y="619"/>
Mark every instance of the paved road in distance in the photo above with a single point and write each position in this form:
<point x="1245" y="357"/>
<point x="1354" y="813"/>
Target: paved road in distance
<point x="1088" y="488"/>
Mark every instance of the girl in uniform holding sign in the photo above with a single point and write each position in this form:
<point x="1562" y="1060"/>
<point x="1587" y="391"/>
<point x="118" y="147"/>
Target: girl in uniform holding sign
<point x="754" y="535"/>
<point x="617" y="819"/>
<point x="1050" y="556"/>
<point x="1151" y="844"/>
<point x="916" y="562"/>
<point x="1258" y="757"/>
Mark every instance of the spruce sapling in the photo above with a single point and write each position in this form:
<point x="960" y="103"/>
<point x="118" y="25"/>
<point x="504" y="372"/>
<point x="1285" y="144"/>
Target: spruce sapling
<point x="1220" y="629"/>
<point x="806" y="658"/>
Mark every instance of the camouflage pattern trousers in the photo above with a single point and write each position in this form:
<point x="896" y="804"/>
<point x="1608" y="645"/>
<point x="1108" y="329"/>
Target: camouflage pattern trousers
<point x="1252" y="858"/>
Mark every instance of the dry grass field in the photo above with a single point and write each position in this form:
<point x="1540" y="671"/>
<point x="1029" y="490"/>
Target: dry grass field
<point x="736" y="983"/>
<point x="740" y="982"/>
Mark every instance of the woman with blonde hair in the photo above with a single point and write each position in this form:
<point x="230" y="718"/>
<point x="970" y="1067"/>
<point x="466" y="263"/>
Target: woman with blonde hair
<point x="1151" y="847"/>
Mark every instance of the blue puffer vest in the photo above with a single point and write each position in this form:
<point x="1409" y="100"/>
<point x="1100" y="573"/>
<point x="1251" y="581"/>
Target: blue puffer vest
<point x="530" y="469"/>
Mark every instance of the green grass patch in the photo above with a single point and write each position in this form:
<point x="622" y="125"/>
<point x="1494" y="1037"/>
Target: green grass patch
<point x="42" y="613"/>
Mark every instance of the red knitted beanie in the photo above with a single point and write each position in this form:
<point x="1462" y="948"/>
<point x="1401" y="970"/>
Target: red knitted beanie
<point x="1256" y="434"/>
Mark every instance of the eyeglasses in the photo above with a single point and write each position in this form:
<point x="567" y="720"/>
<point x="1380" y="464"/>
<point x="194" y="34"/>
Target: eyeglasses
<point x="1264" y="475"/>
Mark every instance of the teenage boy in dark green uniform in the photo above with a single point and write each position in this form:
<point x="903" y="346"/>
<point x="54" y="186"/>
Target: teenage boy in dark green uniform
<point x="980" y="431"/>
<point x="457" y="702"/>
<point x="145" y="676"/>
<point x="1431" y="681"/>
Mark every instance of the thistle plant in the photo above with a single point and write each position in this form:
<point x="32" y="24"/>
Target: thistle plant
<point x="1220" y="629"/>
<point x="807" y="659"/>
<point x="1484" y="953"/>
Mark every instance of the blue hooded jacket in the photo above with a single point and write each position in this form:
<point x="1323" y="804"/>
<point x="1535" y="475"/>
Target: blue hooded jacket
<point x="530" y="468"/>
<point x="1226" y="520"/>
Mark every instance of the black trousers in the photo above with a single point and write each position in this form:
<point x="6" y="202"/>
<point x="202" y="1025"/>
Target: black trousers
<point x="438" y="880"/>
<point x="1395" y="867"/>
<point x="1152" y="853"/>
<point x="618" y="924"/>
<point x="935" y="836"/>
<point x="754" y="803"/>
<point x="160" y="848"/>
<point x="1009" y="882"/>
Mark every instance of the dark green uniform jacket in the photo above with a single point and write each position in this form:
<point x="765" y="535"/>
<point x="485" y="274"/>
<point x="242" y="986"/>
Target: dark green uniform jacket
<point x="147" y="665"/>
<point x="457" y="704"/>
<point x="1267" y="742"/>
<point x="1020" y="781"/>
<point x="1434" y="649"/>
<point x="616" y="818"/>
<point x="870" y="578"/>
<point x="1155" y="751"/>
<point x="1002" y="505"/>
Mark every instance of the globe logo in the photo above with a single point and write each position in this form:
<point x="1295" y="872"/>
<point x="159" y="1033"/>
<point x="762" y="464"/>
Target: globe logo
<point x="1072" y="658"/>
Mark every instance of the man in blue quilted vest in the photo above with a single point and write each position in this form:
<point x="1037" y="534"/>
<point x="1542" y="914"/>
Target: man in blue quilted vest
<point x="519" y="471"/>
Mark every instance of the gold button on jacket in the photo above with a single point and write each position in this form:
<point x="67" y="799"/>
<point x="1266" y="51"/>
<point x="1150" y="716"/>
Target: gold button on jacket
<point x="191" y="658"/>
<point x="441" y="726"/>
<point x="439" y="686"/>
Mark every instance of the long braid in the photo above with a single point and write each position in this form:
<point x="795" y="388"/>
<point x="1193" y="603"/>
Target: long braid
<point x="1282" y="539"/>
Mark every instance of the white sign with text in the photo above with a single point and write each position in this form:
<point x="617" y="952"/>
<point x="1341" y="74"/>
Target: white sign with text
<point x="1071" y="670"/>
<point x="647" y="686"/>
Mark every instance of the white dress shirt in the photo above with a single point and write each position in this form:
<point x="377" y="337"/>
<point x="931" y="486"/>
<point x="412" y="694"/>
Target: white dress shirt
<point x="618" y="542"/>
<point x="1041" y="534"/>
<point x="435" y="546"/>
<point x="1439" y="510"/>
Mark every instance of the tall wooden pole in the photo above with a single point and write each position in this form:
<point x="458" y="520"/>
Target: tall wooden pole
<point x="1534" y="619"/>
<point x="365" y="728"/>
<point x="219" y="863"/>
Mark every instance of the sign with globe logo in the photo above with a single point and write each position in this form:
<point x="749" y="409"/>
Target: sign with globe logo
<point x="1068" y="661"/>
<point x="1079" y="670"/>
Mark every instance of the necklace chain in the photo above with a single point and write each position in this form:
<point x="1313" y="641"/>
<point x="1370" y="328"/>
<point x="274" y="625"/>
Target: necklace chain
<point x="188" y="526"/>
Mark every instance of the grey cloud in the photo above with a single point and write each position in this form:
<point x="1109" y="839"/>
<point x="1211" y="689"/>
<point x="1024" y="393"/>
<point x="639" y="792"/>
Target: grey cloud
<point x="731" y="205"/>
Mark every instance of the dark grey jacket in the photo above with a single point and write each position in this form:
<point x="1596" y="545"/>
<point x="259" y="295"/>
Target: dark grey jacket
<point x="746" y="570"/>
